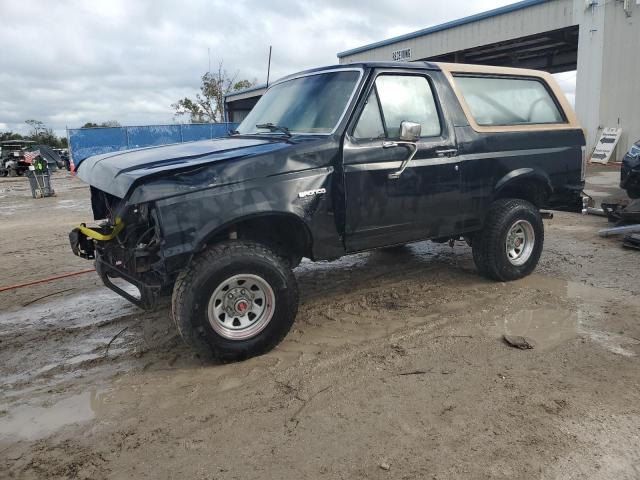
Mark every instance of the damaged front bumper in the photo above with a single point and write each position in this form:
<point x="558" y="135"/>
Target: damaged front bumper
<point x="147" y="297"/>
<point x="114" y="261"/>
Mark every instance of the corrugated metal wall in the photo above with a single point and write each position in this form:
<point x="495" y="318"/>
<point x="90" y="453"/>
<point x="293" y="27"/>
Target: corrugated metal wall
<point x="552" y="15"/>
<point x="85" y="142"/>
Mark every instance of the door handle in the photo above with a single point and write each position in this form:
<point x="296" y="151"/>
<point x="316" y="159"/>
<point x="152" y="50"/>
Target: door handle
<point x="447" y="152"/>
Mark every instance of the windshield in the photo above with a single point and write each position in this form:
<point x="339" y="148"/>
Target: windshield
<point x="311" y="104"/>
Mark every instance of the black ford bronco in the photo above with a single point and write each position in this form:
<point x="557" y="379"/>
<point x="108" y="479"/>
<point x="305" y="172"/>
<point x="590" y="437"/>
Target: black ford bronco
<point x="330" y="162"/>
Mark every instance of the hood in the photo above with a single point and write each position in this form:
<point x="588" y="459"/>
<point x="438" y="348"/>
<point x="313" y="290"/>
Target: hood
<point x="116" y="172"/>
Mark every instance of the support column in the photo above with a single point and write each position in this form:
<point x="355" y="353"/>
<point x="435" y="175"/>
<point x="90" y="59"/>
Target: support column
<point x="589" y="71"/>
<point x="608" y="76"/>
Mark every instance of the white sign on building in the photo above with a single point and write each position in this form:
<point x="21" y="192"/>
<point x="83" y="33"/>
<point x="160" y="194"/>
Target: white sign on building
<point x="403" y="55"/>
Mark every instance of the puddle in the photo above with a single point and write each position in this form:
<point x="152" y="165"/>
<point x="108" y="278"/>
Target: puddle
<point x="613" y="342"/>
<point x="546" y="327"/>
<point x="30" y="422"/>
<point x="79" y="310"/>
<point x="550" y="327"/>
<point x="71" y="204"/>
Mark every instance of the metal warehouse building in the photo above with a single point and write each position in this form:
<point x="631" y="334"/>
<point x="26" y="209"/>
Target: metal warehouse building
<point x="237" y="105"/>
<point x="598" y="38"/>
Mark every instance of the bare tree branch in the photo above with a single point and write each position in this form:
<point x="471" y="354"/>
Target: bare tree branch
<point x="208" y="105"/>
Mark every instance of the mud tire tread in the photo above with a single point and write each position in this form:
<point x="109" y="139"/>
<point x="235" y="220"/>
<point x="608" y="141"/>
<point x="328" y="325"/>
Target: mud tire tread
<point x="488" y="251"/>
<point x="225" y="254"/>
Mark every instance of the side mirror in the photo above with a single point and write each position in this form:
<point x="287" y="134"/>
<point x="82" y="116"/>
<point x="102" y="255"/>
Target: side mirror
<point x="410" y="131"/>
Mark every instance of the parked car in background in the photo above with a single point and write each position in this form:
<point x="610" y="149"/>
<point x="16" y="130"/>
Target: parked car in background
<point x="51" y="156"/>
<point x="17" y="155"/>
<point x="12" y="157"/>
<point x="630" y="172"/>
<point x="333" y="161"/>
<point x="63" y="153"/>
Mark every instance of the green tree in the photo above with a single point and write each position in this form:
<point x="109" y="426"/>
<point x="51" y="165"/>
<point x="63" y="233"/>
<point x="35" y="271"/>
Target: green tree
<point x="208" y="105"/>
<point x="107" y="124"/>
<point x="41" y="134"/>
<point x="10" y="136"/>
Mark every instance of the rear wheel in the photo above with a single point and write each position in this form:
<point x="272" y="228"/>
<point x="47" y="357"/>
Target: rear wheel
<point x="237" y="300"/>
<point x="510" y="244"/>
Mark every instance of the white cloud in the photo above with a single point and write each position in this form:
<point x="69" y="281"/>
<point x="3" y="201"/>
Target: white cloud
<point x="128" y="61"/>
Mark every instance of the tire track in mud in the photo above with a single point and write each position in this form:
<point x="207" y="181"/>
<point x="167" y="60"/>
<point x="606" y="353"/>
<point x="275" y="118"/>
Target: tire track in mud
<point x="71" y="333"/>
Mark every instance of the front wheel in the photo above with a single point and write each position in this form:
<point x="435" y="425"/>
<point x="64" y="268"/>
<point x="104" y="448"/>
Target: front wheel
<point x="237" y="300"/>
<point x="510" y="244"/>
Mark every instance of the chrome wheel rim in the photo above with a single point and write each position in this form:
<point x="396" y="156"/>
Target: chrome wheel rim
<point x="520" y="242"/>
<point x="241" y="307"/>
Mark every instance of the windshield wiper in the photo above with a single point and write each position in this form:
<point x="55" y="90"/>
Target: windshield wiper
<point x="274" y="128"/>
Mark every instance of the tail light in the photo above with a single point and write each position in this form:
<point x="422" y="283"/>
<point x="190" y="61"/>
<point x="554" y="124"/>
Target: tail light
<point x="583" y="168"/>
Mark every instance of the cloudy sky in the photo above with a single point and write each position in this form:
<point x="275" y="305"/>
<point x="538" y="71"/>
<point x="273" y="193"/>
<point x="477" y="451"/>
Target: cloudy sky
<point x="69" y="62"/>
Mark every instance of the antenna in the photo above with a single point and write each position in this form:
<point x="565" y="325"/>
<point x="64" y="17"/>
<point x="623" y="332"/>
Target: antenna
<point x="209" y="55"/>
<point x="269" y="66"/>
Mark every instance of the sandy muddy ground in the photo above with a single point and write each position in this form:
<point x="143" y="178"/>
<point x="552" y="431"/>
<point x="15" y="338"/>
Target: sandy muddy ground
<point x="395" y="367"/>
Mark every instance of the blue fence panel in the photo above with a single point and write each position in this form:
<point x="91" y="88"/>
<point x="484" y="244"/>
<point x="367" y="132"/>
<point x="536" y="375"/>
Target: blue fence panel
<point x="85" y="142"/>
<point x="200" y="131"/>
<point x="152" y="135"/>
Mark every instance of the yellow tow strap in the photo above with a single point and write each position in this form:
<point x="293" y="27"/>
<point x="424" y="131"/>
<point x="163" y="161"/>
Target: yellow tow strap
<point x="101" y="236"/>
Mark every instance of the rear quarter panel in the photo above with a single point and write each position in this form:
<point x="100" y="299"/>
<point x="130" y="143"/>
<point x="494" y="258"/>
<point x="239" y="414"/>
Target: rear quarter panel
<point x="489" y="162"/>
<point x="493" y="156"/>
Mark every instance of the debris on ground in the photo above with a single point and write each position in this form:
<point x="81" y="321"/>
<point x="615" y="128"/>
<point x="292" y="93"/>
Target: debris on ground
<point x="518" y="341"/>
<point x="632" y="241"/>
<point x="625" y="214"/>
<point x="609" y="232"/>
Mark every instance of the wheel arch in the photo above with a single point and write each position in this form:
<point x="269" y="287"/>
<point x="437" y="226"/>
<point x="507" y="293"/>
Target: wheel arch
<point x="528" y="184"/>
<point x="283" y="231"/>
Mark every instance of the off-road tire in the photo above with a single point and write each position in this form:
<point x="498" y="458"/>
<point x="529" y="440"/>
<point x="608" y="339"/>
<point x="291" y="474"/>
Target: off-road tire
<point x="489" y="253"/>
<point x="195" y="286"/>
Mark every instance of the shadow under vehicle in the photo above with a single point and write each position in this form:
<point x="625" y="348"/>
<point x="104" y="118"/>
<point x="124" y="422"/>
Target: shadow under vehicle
<point x="330" y="162"/>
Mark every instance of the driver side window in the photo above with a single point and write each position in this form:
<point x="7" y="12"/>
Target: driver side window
<point x="399" y="98"/>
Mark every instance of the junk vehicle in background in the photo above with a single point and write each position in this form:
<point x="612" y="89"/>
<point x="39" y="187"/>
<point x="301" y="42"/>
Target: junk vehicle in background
<point x="51" y="156"/>
<point x="17" y="155"/>
<point x="630" y="171"/>
<point x="333" y="161"/>
<point x="12" y="160"/>
<point x="63" y="153"/>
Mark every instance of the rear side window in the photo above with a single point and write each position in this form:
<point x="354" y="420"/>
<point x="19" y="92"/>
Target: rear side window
<point x="508" y="101"/>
